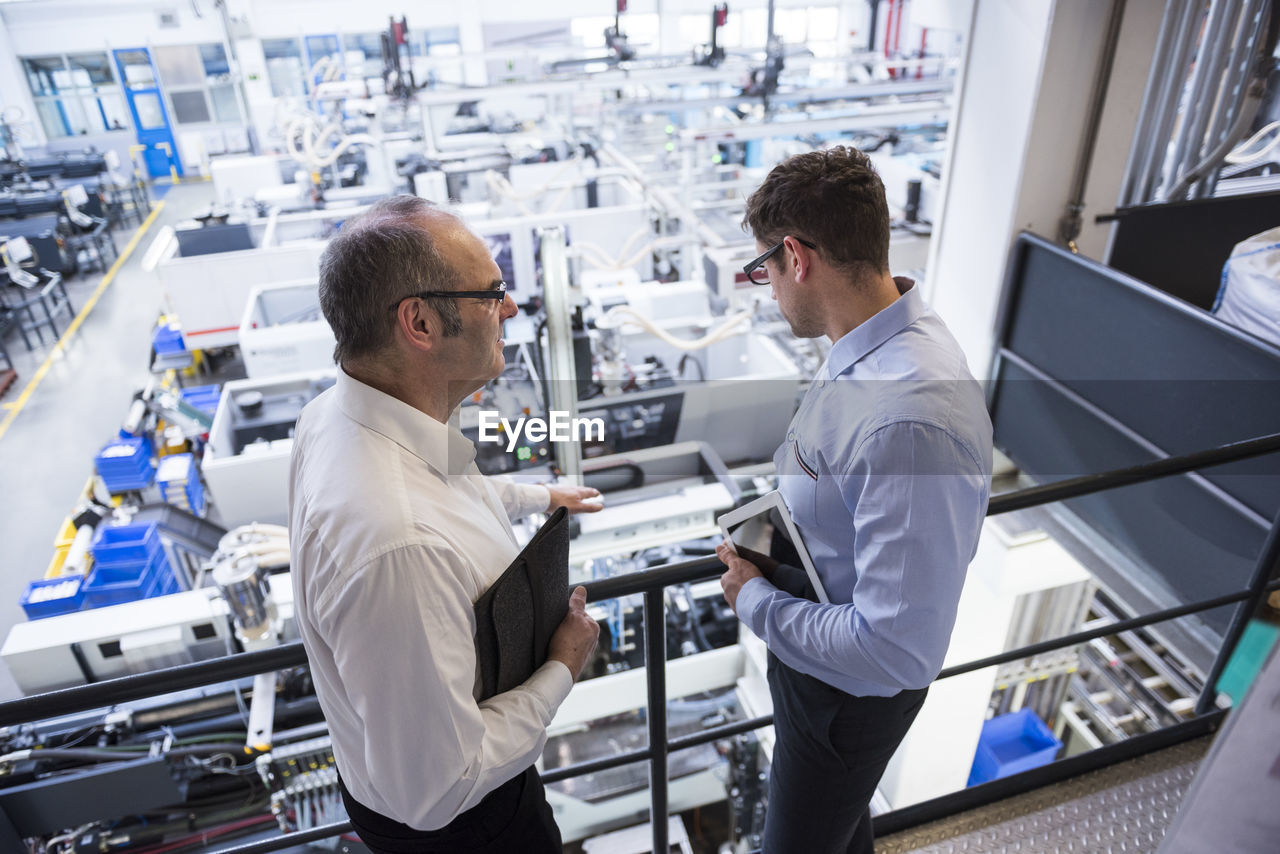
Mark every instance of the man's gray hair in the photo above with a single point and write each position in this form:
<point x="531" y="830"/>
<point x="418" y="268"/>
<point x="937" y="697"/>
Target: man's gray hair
<point x="376" y="260"/>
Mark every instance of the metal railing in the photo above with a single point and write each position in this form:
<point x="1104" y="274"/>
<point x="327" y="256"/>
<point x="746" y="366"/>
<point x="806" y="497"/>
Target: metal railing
<point x="651" y="584"/>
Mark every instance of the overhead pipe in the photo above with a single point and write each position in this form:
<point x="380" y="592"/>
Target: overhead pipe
<point x="1197" y="91"/>
<point x="1154" y="102"/>
<point x="1237" y="80"/>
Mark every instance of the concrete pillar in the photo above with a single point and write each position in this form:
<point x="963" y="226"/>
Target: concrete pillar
<point x="15" y="93"/>
<point x="1016" y="133"/>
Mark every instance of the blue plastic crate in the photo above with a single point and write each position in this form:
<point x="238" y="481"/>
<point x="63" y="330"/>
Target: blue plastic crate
<point x="50" y="597"/>
<point x="168" y="584"/>
<point x="168" y="339"/>
<point x="126" y="464"/>
<point x="203" y="397"/>
<point x="179" y="482"/>
<point x="1012" y="743"/>
<point x="108" y="587"/>
<point x="133" y="569"/>
<point x="125" y="544"/>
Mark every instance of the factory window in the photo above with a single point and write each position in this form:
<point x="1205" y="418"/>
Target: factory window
<point x="748" y="29"/>
<point x="76" y="94"/>
<point x="322" y="48"/>
<point x="284" y="67"/>
<point x="435" y="41"/>
<point x="363" y="54"/>
<point x="197" y="79"/>
<point x="641" y="31"/>
<point x="696" y="30"/>
<point x="589" y="32"/>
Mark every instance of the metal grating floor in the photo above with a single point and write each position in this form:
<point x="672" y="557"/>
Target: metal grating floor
<point x="1123" y="809"/>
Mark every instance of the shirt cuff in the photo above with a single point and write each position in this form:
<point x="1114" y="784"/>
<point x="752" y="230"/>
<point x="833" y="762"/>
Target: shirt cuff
<point x="553" y="682"/>
<point x="530" y="498"/>
<point x="539" y="499"/>
<point x="750" y="596"/>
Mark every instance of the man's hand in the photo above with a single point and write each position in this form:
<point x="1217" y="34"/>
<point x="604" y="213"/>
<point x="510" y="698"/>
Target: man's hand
<point x="575" y="639"/>
<point x="739" y="573"/>
<point x="576" y="499"/>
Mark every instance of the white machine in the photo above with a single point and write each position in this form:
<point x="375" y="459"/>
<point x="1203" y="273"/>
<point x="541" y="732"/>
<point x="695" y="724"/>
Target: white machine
<point x="284" y="332"/>
<point x="246" y="462"/>
<point x="208" y="292"/>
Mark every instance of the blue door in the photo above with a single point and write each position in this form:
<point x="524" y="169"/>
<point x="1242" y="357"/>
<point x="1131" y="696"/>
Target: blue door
<point x="146" y="104"/>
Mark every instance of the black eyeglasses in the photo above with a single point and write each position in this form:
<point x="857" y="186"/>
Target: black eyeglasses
<point x="758" y="273"/>
<point x="497" y="292"/>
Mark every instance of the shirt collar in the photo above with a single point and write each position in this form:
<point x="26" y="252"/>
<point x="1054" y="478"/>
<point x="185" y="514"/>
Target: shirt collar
<point x="879" y="328"/>
<point x="440" y="446"/>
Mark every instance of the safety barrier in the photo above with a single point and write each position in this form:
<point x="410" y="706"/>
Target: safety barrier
<point x="651" y="584"/>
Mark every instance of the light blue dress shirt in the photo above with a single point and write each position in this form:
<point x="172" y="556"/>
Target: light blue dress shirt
<point x="886" y="470"/>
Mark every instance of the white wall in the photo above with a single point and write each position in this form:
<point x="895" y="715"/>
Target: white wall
<point x="984" y="171"/>
<point x="54" y="26"/>
<point x="15" y="95"/>
<point x="1013" y="156"/>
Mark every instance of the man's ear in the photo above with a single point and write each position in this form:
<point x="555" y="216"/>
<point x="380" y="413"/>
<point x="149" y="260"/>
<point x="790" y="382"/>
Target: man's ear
<point x="801" y="256"/>
<point x="416" y="324"/>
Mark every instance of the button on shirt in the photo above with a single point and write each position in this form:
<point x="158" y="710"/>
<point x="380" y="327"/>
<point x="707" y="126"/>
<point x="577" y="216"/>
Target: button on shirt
<point x="394" y="534"/>
<point x="886" y="470"/>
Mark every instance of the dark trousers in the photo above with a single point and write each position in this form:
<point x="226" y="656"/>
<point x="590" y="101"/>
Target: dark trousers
<point x="830" y="751"/>
<point x="513" y="817"/>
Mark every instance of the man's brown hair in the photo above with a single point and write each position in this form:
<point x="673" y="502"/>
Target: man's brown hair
<point x="833" y="198"/>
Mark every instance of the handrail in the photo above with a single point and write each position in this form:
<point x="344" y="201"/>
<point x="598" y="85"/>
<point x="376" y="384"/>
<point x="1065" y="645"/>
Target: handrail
<point x="1091" y="483"/>
<point x="651" y="583"/>
<point x="935" y="808"/>
<point x="183" y="676"/>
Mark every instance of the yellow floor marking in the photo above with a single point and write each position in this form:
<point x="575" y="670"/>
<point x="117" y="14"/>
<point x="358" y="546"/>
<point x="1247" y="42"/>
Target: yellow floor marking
<point x="16" y="406"/>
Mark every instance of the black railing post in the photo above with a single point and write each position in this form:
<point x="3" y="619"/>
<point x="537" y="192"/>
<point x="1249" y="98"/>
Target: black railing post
<point x="1263" y="571"/>
<point x="655" y="662"/>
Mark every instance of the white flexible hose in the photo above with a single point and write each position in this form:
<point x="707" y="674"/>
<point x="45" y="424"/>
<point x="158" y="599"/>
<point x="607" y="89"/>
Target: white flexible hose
<point x="604" y="261"/>
<point x="320" y="64"/>
<point x="313" y="136"/>
<point x="500" y="185"/>
<point x="613" y="319"/>
<point x="1239" y="154"/>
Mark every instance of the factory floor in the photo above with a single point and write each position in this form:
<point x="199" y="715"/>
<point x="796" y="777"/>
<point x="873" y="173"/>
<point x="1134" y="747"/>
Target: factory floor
<point x="70" y="396"/>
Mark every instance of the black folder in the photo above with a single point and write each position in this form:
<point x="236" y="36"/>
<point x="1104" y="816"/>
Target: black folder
<point x="518" y="614"/>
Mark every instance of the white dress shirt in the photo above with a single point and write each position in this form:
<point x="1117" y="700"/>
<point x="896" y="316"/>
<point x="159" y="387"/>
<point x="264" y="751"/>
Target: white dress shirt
<point x="394" y="534"/>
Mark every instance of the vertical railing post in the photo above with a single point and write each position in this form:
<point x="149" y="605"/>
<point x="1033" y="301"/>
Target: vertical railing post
<point x="1266" y="568"/>
<point x="655" y="662"/>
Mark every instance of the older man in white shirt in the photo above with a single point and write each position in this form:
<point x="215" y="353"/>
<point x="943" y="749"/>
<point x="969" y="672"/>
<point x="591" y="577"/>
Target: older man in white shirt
<point x="395" y="534"/>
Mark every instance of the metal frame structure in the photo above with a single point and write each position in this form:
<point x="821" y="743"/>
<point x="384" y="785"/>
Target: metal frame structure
<point x="652" y="582"/>
<point x="1209" y="57"/>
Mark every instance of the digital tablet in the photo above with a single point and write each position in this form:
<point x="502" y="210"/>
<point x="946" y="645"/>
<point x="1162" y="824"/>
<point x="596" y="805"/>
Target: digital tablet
<point x="748" y="521"/>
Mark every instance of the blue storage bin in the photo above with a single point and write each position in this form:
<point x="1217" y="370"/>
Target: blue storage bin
<point x="1011" y="743"/>
<point x="179" y="482"/>
<point x="50" y="597"/>
<point x="166" y="585"/>
<point x="131" y="570"/>
<point x="125" y="544"/>
<point x="126" y="464"/>
<point x="111" y="587"/>
<point x="203" y="397"/>
<point x="168" y="339"/>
